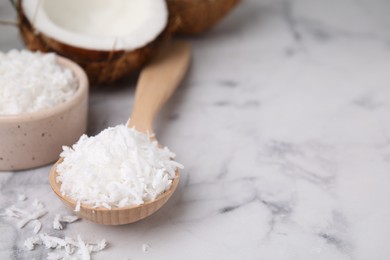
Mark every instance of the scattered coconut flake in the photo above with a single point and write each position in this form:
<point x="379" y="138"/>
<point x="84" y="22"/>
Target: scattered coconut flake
<point x="24" y="216"/>
<point x="56" y="222"/>
<point x="58" y="219"/>
<point x="32" y="81"/>
<point x="69" y="249"/>
<point x="37" y="226"/>
<point x="98" y="247"/>
<point x="83" y="249"/>
<point x="38" y="204"/>
<point x="31" y="242"/>
<point x="52" y="241"/>
<point x="65" y="247"/>
<point x="119" y="167"/>
<point x="35" y="215"/>
<point x="22" y="197"/>
<point x="145" y="248"/>
<point x="69" y="219"/>
<point x="17" y="212"/>
<point x="71" y="241"/>
<point x="11" y="212"/>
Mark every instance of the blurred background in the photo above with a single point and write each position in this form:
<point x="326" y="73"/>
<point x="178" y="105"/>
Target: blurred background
<point x="283" y="126"/>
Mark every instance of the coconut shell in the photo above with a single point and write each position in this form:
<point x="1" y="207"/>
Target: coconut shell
<point x="102" y="67"/>
<point x="198" y="16"/>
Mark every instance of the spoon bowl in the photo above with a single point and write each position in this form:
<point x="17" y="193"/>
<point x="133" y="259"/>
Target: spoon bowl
<point x="156" y="84"/>
<point x="114" y="216"/>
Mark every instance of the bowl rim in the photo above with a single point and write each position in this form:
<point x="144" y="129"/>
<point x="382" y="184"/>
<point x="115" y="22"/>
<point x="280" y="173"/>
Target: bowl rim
<point x="76" y="98"/>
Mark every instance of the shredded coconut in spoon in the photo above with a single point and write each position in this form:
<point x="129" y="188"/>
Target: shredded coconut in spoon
<point x="119" y="167"/>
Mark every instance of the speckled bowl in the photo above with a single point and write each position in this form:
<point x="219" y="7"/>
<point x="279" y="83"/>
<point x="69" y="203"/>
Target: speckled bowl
<point x="36" y="139"/>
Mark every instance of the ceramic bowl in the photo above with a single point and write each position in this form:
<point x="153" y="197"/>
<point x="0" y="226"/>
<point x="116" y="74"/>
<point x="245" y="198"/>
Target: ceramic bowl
<point x="36" y="139"/>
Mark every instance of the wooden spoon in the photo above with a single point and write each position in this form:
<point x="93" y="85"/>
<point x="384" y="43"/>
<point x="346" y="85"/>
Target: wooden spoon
<point x="157" y="82"/>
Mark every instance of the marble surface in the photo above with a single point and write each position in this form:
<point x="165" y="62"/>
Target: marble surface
<point x="284" y="130"/>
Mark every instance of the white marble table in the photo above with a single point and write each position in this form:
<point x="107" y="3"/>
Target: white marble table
<point x="283" y="125"/>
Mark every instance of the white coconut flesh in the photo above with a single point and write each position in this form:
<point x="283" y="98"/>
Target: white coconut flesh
<point x="98" y="24"/>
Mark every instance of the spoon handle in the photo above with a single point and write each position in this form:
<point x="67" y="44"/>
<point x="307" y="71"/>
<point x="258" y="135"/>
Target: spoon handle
<point x="157" y="82"/>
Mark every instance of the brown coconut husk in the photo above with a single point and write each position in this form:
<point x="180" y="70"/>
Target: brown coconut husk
<point x="102" y="67"/>
<point x="198" y="16"/>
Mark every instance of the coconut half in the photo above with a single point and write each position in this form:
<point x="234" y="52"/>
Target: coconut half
<point x="109" y="39"/>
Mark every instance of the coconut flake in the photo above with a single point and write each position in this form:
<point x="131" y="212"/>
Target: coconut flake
<point x="37" y="226"/>
<point x="52" y="241"/>
<point x="78" y="206"/>
<point x="83" y="249"/>
<point x="31" y="242"/>
<point x="38" y="204"/>
<point x="35" y="215"/>
<point x="18" y="211"/>
<point x="69" y="249"/>
<point x="69" y="219"/>
<point x="117" y="168"/>
<point x="104" y="204"/>
<point x="97" y="247"/>
<point x="56" y="222"/>
<point x="14" y="212"/>
<point x="58" y="219"/>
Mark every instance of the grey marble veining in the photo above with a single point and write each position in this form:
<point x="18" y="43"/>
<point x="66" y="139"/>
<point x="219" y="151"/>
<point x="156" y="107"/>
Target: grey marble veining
<point x="283" y="127"/>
